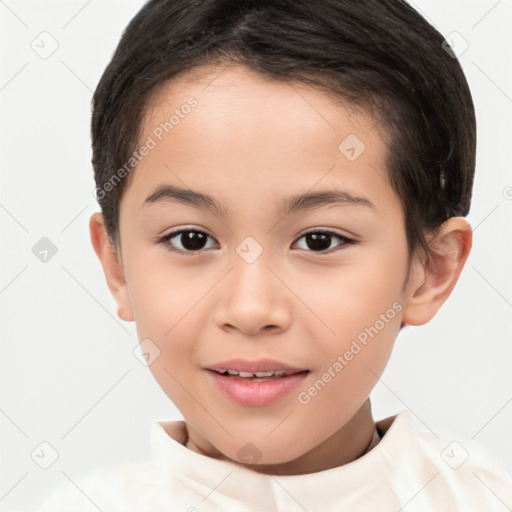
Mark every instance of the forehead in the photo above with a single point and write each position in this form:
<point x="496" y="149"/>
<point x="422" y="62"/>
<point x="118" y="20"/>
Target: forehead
<point x="222" y="129"/>
<point x="225" y="92"/>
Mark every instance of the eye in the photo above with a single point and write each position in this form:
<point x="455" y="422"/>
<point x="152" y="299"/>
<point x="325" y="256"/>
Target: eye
<point x="191" y="241"/>
<point x="320" y="241"/>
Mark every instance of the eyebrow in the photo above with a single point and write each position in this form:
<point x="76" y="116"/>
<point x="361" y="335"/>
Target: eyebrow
<point x="289" y="205"/>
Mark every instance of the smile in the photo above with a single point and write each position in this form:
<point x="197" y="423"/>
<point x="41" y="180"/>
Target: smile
<point x="245" y="375"/>
<point x="253" y="389"/>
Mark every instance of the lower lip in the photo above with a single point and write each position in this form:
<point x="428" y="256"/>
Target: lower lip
<point x="254" y="393"/>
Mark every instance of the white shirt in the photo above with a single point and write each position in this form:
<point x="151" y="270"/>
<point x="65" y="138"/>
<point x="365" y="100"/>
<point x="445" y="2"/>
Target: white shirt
<point x="408" y="470"/>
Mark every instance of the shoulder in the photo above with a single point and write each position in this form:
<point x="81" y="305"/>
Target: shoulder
<point x="459" y="472"/>
<point x="115" y="489"/>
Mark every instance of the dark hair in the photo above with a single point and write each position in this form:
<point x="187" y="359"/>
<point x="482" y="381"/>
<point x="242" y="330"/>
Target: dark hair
<point x="380" y="55"/>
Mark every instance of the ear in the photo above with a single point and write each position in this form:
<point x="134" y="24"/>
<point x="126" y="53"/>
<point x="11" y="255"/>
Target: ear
<point x="433" y="280"/>
<point x="112" y="266"/>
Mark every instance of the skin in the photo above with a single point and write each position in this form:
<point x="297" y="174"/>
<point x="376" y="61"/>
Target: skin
<point x="249" y="143"/>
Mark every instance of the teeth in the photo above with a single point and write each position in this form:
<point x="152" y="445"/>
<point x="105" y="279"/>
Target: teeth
<point x="265" y="374"/>
<point x="278" y="373"/>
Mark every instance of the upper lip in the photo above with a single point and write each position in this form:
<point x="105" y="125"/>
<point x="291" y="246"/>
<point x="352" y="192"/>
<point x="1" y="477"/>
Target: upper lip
<point x="262" y="365"/>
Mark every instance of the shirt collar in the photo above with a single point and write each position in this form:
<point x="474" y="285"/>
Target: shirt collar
<point x="182" y="468"/>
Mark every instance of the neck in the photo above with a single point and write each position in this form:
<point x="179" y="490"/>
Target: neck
<point x="347" y="444"/>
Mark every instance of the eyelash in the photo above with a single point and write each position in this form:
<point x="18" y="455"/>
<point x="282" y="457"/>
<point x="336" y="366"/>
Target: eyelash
<point x="166" y="240"/>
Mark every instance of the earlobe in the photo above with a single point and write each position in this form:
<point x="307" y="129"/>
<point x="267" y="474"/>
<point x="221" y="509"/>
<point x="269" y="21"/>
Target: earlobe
<point x="112" y="267"/>
<point x="433" y="280"/>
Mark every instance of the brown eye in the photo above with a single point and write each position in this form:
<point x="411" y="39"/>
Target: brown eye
<point x="321" y="241"/>
<point x="192" y="241"/>
<point x="186" y="240"/>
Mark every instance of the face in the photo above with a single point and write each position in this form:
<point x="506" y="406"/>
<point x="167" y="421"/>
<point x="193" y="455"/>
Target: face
<point x="315" y="284"/>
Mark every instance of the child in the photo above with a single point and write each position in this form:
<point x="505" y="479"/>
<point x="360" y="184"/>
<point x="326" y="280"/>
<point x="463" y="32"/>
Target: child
<point x="232" y="139"/>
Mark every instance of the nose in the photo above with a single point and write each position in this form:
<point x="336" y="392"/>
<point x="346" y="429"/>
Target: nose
<point x="253" y="298"/>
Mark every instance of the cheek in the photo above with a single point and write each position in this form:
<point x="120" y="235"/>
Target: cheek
<point x="355" y="296"/>
<point x="162" y="294"/>
<point x="362" y="307"/>
<point x="351" y="366"/>
<point x="165" y="304"/>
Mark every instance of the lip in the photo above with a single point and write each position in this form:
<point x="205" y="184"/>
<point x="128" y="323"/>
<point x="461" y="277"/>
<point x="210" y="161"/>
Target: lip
<point x="262" y="365"/>
<point x="253" y="393"/>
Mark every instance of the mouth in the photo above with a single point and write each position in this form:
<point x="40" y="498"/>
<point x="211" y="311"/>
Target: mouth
<point x="256" y="384"/>
<point x="257" y="376"/>
<point x="264" y="369"/>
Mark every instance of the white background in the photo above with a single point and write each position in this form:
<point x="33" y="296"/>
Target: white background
<point x="69" y="376"/>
